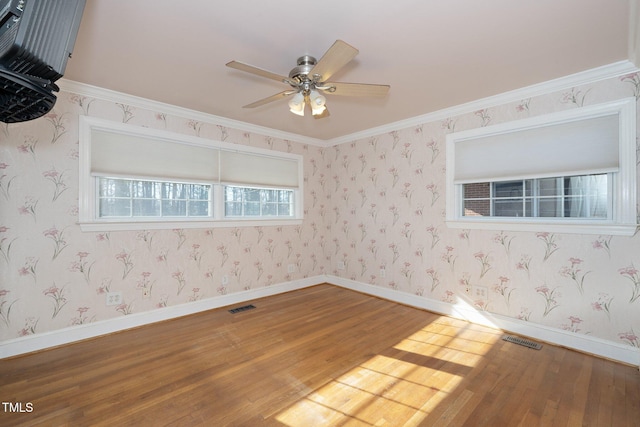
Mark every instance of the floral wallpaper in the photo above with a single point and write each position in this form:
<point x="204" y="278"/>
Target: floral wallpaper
<point x="53" y="275"/>
<point x="389" y="210"/>
<point x="370" y="205"/>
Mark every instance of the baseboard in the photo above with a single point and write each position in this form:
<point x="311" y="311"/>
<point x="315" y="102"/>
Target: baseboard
<point x="31" y="343"/>
<point x="580" y="342"/>
<point x="584" y="343"/>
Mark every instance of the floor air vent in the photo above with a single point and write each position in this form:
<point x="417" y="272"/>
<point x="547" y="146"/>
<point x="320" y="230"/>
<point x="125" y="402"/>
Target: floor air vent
<point x="522" y="341"/>
<point x="243" y="308"/>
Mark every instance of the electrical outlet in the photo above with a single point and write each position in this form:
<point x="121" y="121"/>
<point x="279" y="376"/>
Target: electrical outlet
<point x="479" y="292"/>
<point x="340" y="265"/>
<point x="114" y="298"/>
<point x="225" y="280"/>
<point x="383" y="273"/>
<point x="291" y="268"/>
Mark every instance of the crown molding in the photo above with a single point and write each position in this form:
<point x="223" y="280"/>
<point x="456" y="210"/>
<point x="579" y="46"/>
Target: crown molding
<point x="84" y="89"/>
<point x="585" y="77"/>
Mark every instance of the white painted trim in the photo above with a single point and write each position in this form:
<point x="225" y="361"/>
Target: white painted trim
<point x="584" y="343"/>
<point x="623" y="220"/>
<point x="174" y="110"/>
<point x="88" y="218"/>
<point x="71" y="334"/>
<point x="585" y="77"/>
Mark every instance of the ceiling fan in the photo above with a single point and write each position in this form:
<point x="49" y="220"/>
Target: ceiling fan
<point x="310" y="78"/>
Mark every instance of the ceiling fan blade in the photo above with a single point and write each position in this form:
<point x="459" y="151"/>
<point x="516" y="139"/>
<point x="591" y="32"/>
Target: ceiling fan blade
<point x="257" y="71"/>
<point x="355" y="89"/>
<point x="338" y="55"/>
<point x="271" y="98"/>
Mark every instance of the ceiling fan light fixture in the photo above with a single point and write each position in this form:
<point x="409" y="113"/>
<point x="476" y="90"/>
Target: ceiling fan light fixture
<point x="296" y="104"/>
<point x="317" y="103"/>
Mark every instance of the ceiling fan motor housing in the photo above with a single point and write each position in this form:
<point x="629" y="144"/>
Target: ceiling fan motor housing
<point x="305" y="64"/>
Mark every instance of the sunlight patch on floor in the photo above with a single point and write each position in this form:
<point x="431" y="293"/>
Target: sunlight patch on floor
<point x="451" y="343"/>
<point x="402" y="386"/>
<point x="382" y="391"/>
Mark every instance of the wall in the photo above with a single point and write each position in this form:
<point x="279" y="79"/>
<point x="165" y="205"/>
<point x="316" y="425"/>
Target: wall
<point x="370" y="204"/>
<point x="388" y="213"/>
<point x="53" y="276"/>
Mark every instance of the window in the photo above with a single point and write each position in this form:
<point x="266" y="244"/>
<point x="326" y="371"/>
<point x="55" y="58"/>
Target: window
<point x="582" y="196"/>
<point x="138" y="178"/>
<point x="573" y="171"/>
<point x="126" y="198"/>
<point x="257" y="202"/>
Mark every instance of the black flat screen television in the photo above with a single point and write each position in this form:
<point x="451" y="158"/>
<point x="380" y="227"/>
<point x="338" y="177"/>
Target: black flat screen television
<point x="36" y="41"/>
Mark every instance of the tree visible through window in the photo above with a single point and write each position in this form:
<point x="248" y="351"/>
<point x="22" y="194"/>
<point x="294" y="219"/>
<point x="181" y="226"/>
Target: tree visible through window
<point x="262" y="202"/>
<point x="121" y="198"/>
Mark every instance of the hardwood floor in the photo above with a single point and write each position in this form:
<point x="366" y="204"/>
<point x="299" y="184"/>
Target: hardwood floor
<point x="321" y="356"/>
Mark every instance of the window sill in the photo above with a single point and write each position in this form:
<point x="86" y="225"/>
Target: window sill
<point x="119" y="225"/>
<point x="572" y="227"/>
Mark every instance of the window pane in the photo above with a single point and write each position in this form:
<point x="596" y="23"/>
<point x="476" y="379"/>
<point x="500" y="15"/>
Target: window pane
<point x="233" y="209"/>
<point x="477" y="207"/>
<point x="267" y="202"/>
<point x="508" y="207"/>
<point x="137" y="198"/>
<point x="114" y="188"/>
<point x="270" y="209"/>
<point x="528" y="187"/>
<point x="284" y="209"/>
<point x="198" y="192"/>
<point x="199" y="208"/>
<point x="174" y="207"/>
<point x="477" y="190"/>
<point x="549" y="187"/>
<point x="269" y="195"/>
<point x="233" y="194"/>
<point x="145" y="189"/>
<point x="285" y="196"/>
<point x="115" y="208"/>
<point x="550" y="208"/>
<point x="508" y="189"/>
<point x="252" y="194"/>
<point x="252" y="208"/>
<point x="144" y="207"/>
<point x="583" y="196"/>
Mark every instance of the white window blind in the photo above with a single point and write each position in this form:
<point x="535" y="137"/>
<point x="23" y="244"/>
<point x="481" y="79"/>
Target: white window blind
<point x="578" y="147"/>
<point x="111" y="153"/>
<point x="255" y="169"/>
<point x="115" y="154"/>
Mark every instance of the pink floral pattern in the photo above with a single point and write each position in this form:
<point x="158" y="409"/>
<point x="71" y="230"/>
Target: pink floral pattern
<point x="370" y="205"/>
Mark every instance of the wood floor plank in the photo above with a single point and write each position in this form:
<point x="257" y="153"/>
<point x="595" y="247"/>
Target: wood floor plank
<point x="320" y="356"/>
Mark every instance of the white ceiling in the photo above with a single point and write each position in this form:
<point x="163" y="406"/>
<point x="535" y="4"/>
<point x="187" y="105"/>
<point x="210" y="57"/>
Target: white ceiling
<point x="435" y="54"/>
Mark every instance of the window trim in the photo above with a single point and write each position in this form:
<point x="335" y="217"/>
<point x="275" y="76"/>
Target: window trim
<point x="624" y="215"/>
<point x="88" y="196"/>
